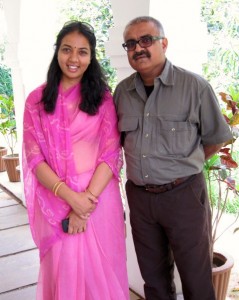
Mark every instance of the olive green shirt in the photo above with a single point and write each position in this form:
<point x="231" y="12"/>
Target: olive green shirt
<point x="165" y="132"/>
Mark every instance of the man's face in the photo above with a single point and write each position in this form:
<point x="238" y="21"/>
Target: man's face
<point x="146" y="60"/>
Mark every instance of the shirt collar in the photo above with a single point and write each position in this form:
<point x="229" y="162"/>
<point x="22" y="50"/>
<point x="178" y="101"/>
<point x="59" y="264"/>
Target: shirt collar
<point x="166" y="77"/>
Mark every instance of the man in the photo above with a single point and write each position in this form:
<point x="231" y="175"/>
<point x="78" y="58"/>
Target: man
<point x="170" y="123"/>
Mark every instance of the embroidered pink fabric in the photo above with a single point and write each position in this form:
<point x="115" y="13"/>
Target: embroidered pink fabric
<point x="91" y="265"/>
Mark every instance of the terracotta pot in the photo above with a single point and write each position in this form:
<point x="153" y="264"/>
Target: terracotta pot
<point x="221" y="271"/>
<point x="3" y="151"/>
<point x="11" y="162"/>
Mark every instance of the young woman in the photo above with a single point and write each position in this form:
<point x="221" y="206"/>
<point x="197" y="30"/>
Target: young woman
<point x="71" y="163"/>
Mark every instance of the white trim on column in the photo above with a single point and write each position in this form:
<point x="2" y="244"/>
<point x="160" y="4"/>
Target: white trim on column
<point x="123" y="12"/>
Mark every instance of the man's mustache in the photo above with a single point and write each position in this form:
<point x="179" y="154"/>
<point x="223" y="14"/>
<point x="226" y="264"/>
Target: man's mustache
<point x="146" y="53"/>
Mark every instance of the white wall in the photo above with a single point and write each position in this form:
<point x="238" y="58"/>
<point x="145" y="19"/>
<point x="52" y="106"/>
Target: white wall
<point x="186" y="34"/>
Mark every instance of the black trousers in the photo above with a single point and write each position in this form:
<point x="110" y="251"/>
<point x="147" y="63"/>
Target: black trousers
<point x="173" y="226"/>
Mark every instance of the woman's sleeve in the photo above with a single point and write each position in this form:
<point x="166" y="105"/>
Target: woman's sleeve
<point x="110" y="149"/>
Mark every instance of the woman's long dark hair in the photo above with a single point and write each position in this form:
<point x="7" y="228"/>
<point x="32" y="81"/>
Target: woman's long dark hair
<point x="93" y="82"/>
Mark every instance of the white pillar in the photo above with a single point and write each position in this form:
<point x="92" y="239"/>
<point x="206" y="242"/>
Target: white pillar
<point x="37" y="38"/>
<point x="123" y="12"/>
<point x="12" y="16"/>
<point x="31" y="28"/>
<point x="187" y="48"/>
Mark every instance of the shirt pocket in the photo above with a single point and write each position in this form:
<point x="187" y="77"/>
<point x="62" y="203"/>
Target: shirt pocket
<point x="129" y="128"/>
<point x="176" y="138"/>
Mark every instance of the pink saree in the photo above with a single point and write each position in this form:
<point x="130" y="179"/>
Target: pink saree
<point x="90" y="265"/>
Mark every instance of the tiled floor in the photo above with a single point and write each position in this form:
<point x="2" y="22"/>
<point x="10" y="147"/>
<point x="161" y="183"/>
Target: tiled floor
<point x="18" y="254"/>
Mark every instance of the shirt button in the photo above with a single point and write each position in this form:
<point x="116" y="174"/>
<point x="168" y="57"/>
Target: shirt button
<point x="147" y="114"/>
<point x="173" y="129"/>
<point x="146" y="135"/>
<point x="146" y="176"/>
<point x="144" y="155"/>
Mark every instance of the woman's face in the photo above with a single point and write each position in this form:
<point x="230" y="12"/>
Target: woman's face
<point x="74" y="56"/>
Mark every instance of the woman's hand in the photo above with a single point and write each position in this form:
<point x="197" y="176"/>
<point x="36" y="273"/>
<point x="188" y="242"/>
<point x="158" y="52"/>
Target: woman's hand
<point x="76" y="223"/>
<point x="83" y="204"/>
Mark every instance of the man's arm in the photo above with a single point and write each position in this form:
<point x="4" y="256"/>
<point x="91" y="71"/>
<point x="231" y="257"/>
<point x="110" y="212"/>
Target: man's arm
<point x="210" y="150"/>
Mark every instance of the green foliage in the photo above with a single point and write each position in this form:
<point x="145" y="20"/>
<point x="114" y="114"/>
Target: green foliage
<point x="8" y="121"/>
<point x="222" y="19"/>
<point x="222" y="71"/>
<point x="5" y="81"/>
<point x="98" y="13"/>
<point x="221" y="170"/>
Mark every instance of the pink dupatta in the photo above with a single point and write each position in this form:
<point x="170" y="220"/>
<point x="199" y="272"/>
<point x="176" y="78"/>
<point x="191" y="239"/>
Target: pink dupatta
<point x="47" y="137"/>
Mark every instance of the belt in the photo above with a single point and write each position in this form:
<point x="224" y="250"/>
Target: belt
<point x="152" y="188"/>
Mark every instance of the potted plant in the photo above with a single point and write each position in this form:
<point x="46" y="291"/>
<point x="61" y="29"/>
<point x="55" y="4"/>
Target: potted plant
<point x="220" y="173"/>
<point x="9" y="132"/>
<point x="6" y="89"/>
<point x="3" y="152"/>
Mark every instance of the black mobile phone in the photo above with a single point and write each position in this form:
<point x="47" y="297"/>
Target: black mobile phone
<point x="65" y="224"/>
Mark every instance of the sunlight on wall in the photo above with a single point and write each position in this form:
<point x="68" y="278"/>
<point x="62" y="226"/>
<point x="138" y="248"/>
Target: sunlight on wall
<point x="37" y="37"/>
<point x="186" y="34"/>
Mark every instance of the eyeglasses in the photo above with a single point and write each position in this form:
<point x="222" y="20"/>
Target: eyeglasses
<point x="144" y="42"/>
